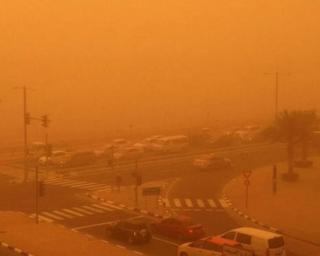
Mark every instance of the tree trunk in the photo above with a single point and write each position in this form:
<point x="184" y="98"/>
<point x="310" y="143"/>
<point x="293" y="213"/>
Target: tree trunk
<point x="304" y="150"/>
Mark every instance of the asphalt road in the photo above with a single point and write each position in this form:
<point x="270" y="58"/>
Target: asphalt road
<point x="192" y="185"/>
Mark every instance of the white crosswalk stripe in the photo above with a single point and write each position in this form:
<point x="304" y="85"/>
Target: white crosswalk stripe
<point x="83" y="210"/>
<point x="188" y="202"/>
<point x="223" y="203"/>
<point x="73" y="212"/>
<point x="92" y="209"/>
<point x="50" y="215"/>
<point x="43" y="218"/>
<point x="63" y="214"/>
<point x="103" y="207"/>
<point x="177" y="202"/>
<point x="113" y="206"/>
<point x="212" y="203"/>
<point x="166" y="202"/>
<point x="77" y="184"/>
<point x="200" y="203"/>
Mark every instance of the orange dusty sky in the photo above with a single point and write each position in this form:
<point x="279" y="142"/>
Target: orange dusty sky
<point x="100" y="65"/>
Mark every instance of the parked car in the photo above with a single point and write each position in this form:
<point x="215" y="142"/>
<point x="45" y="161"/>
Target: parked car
<point x="130" y="231"/>
<point x="77" y="159"/>
<point x="213" y="246"/>
<point x="57" y="158"/>
<point x="172" y="144"/>
<point x="261" y="242"/>
<point x="120" y="143"/>
<point x="129" y="153"/>
<point x="181" y="228"/>
<point x="212" y="162"/>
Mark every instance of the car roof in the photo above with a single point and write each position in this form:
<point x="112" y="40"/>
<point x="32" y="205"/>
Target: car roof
<point x="257" y="232"/>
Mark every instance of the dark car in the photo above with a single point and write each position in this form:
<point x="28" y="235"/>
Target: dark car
<point x="132" y="232"/>
<point x="181" y="228"/>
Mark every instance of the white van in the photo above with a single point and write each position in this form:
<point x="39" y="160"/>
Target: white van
<point x="263" y="243"/>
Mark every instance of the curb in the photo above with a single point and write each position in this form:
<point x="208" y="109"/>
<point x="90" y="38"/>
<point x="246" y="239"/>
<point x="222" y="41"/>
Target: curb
<point x="265" y="226"/>
<point x="15" y="249"/>
<point x="251" y="219"/>
<point x="125" y="207"/>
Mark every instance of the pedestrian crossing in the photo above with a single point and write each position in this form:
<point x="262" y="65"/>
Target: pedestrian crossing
<point x="76" y="212"/>
<point x="193" y="203"/>
<point x="85" y="185"/>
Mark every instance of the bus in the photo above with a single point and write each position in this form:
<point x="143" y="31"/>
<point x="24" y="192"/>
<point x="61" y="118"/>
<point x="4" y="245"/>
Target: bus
<point x="173" y="144"/>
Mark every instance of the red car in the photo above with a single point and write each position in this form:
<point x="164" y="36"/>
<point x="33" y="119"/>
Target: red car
<point x="178" y="227"/>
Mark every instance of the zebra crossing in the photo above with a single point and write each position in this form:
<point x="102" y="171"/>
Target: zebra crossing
<point x="85" y="185"/>
<point x="76" y="212"/>
<point x="186" y="204"/>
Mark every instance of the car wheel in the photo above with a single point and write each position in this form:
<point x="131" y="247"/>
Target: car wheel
<point x="183" y="254"/>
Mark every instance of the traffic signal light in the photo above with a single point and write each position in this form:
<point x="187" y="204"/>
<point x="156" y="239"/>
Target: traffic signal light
<point x="45" y="121"/>
<point x="27" y="118"/>
<point x="41" y="188"/>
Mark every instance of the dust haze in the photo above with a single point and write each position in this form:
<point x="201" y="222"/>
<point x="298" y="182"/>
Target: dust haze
<point x="97" y="67"/>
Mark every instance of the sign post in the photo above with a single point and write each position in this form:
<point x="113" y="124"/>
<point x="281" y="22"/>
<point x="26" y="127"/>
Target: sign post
<point x="274" y="179"/>
<point x="151" y="191"/>
<point x="246" y="175"/>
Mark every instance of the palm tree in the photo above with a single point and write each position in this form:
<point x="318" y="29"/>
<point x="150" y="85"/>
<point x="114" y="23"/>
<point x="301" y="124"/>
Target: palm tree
<point x="295" y="127"/>
<point x="309" y="123"/>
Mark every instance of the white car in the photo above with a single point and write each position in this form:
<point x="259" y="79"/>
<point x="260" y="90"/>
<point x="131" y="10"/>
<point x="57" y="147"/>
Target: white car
<point x="261" y="242"/>
<point x="211" y="161"/>
<point x="213" y="246"/>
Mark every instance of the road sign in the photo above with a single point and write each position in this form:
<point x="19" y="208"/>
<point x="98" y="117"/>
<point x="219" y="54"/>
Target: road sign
<point x="151" y="191"/>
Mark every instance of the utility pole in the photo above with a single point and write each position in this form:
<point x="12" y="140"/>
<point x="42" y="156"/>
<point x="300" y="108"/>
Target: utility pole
<point x="276" y="93"/>
<point x="37" y="194"/>
<point x="25" y="114"/>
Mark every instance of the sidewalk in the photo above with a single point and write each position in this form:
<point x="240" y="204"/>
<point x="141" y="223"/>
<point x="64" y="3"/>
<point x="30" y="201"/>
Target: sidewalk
<point x="126" y="197"/>
<point x="24" y="236"/>
<point x="295" y="209"/>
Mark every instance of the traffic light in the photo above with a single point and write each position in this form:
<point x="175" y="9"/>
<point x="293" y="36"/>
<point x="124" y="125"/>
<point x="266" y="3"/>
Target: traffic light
<point x="27" y="118"/>
<point x="45" y="121"/>
<point x="41" y="188"/>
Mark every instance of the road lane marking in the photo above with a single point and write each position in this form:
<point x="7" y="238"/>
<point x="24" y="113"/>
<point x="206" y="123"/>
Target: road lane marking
<point x="113" y="206"/>
<point x="93" y="186"/>
<point x="92" y="209"/>
<point x="83" y="210"/>
<point x="166" y="202"/>
<point x="177" y="202"/>
<point x="53" y="216"/>
<point x="63" y="214"/>
<point x="164" y="240"/>
<point x="188" y="202"/>
<point x="200" y="203"/>
<point x="104" y="223"/>
<point x="103" y="207"/>
<point x="212" y="203"/>
<point x="45" y="218"/>
<point x="223" y="203"/>
<point x="73" y="212"/>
